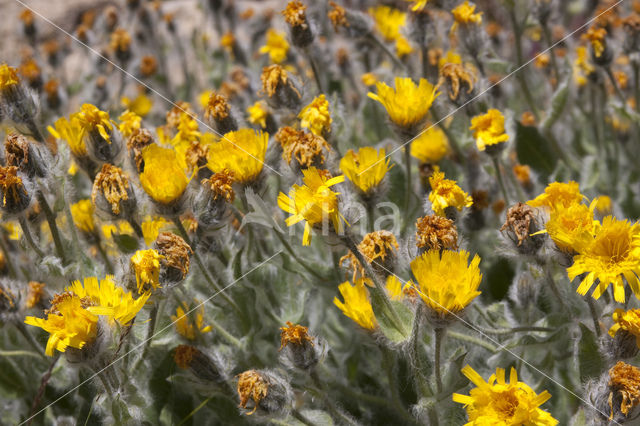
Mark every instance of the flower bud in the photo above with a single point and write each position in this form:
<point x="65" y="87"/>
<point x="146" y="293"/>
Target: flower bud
<point x="355" y="23"/>
<point x="175" y="252"/>
<point x="269" y="391"/>
<point x="219" y="113"/>
<point x="280" y="88"/>
<point x="215" y="192"/>
<point x="112" y="193"/>
<point x="101" y="141"/>
<point x="202" y="366"/>
<point x="296" y="17"/>
<point x="15" y="197"/>
<point x="16" y="103"/>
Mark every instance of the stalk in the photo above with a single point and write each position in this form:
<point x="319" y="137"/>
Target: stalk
<point x="27" y="234"/>
<point x="439" y="333"/>
<point x="51" y="220"/>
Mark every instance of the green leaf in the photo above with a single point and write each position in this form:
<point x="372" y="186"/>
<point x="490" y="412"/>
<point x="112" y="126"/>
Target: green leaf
<point x="579" y="419"/>
<point x="453" y="378"/>
<point x="126" y="243"/>
<point x="590" y="361"/>
<point x="558" y="102"/>
<point x="393" y="331"/>
<point x="534" y="150"/>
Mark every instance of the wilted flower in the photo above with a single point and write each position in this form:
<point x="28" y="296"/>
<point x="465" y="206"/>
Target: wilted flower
<point x="15" y="197"/>
<point x="269" y="391"/>
<point x="280" y="89"/>
<point x="295" y="15"/>
<point x="175" y="257"/>
<point x="436" y="232"/>
<point x="112" y="192"/>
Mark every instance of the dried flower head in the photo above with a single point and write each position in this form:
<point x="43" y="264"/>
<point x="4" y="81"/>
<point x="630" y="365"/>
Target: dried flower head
<point x="597" y="37"/>
<point x="520" y="221"/>
<point x="221" y="186"/>
<point x="175" y="254"/>
<point x="624" y="383"/>
<point x="252" y="385"/>
<point x="139" y="139"/>
<point x="183" y="356"/>
<point x="148" y="65"/>
<point x="337" y="15"/>
<point x="436" y="232"/>
<point x="295" y="335"/>
<point x="34" y="295"/>
<point x="307" y="148"/>
<point x="14" y="195"/>
<point x="113" y="184"/>
<point x="279" y="88"/>
<point x="456" y="76"/>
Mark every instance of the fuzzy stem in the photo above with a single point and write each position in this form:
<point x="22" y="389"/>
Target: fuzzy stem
<point x="153" y="319"/>
<point x="314" y="69"/>
<point x="293" y="254"/>
<point x="301" y="418"/>
<point x="327" y="400"/>
<point x="636" y="84"/>
<point x="594" y="315"/>
<point x="27" y="234"/>
<point x="32" y="341"/>
<point x="51" y="220"/>
<point x="503" y="188"/>
<point x="416" y="360"/>
<point x="409" y="195"/>
<point x="225" y="334"/>
<point x="103" y="255"/>
<point x="517" y="31"/>
<point x="439" y="333"/>
<point x="43" y="386"/>
<point x="389" y="361"/>
<point x="473" y="340"/>
<point x="548" y="40"/>
<point x="555" y="289"/>
<point x="376" y="41"/>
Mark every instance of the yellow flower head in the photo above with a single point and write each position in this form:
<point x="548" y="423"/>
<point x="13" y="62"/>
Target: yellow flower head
<point x="488" y="129"/>
<point x="82" y="215"/>
<point x="446" y="283"/>
<point x="603" y="204"/>
<point x="68" y="322"/>
<point x="8" y="76"/>
<point x="70" y="131"/>
<point x="151" y="227"/>
<point x="613" y="253"/>
<point x="497" y="402"/>
<point x="356" y="305"/>
<point x="407" y="104"/>
<point x="388" y="21"/>
<point x="628" y="321"/>
<point x="369" y="79"/>
<point x="129" y="123"/>
<point x="277" y="46"/>
<point x="141" y="105"/>
<point x="572" y="228"/>
<point x="597" y="38"/>
<point x="92" y="119"/>
<point x="463" y="14"/>
<point x="108" y="299"/>
<point x="446" y="193"/>
<point x="258" y="114"/>
<point x="582" y="67"/>
<point x="187" y="328"/>
<point x="430" y="146"/>
<point x="162" y="178"/>
<point x="366" y="168"/>
<point x="146" y="265"/>
<point x="242" y="152"/>
<point x="558" y="195"/>
<point x="312" y="202"/>
<point x="316" y="116"/>
<point x="403" y="47"/>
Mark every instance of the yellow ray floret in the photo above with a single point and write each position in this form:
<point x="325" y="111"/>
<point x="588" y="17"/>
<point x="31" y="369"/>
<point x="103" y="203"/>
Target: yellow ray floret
<point x="446" y="193"/>
<point x="162" y="178"/>
<point x="356" y="305"/>
<point x="407" y="104"/>
<point x="366" y="168"/>
<point x="241" y="152"/>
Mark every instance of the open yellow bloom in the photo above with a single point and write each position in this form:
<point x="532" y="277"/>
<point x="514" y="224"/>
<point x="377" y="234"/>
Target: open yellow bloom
<point x="613" y="253"/>
<point x="572" y="228"/>
<point x="258" y="114"/>
<point x="91" y="119"/>
<point x="162" y="178"/>
<point x="628" y="321"/>
<point x="446" y="283"/>
<point x="129" y="123"/>
<point x="366" y="168"/>
<point x="312" y="202"/>
<point x="597" y="38"/>
<point x="68" y="322"/>
<point x="109" y="300"/>
<point x="82" y="215"/>
<point x="388" y="21"/>
<point x="8" y="76"/>
<point x="151" y="227"/>
<point x="603" y="204"/>
<point x="185" y="327"/>
<point x="316" y="116"/>
<point x="463" y="14"/>
<point x="430" y="146"/>
<point x="277" y="46"/>
<point x="146" y="265"/>
<point x="242" y="152"/>
<point x="496" y="402"/>
<point x="488" y="129"/>
<point x="558" y="195"/>
<point x="356" y="305"/>
<point x="141" y="105"/>
<point x="71" y="132"/>
<point x="446" y="193"/>
<point x="407" y="104"/>
<point x="403" y="47"/>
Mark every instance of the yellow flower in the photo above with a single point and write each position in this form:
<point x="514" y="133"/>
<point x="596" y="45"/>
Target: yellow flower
<point x="446" y="283"/>
<point x="418" y="4"/>
<point x="141" y="105"/>
<point x="407" y="104"/>
<point x="451" y="57"/>
<point x="558" y="195"/>
<point x="109" y="300"/>
<point x="603" y="204"/>
<point x="356" y="305"/>
<point x="488" y="129"/>
<point x="612" y="254"/>
<point x="366" y="168"/>
<point x="499" y="403"/>
<point x="628" y="321"/>
<point x="163" y="179"/>
<point x="403" y="47"/>
<point x="258" y="114"/>
<point x="82" y="215"/>
<point x="277" y="46"/>
<point x="203" y="98"/>
<point x="597" y="38"/>
<point x="446" y="193"/>
<point x="14" y="231"/>
<point x="394" y="288"/>
<point x="316" y="116"/>
<point x="463" y="14"/>
<point x="582" y="68"/>
<point x="312" y="202"/>
<point x="68" y="323"/>
<point x="71" y="132"/>
<point x="146" y="265"/>
<point x="369" y="79"/>
<point x="242" y="152"/>
<point x="8" y="76"/>
<point x="430" y="146"/>
<point x="573" y="227"/>
<point x="185" y="327"/>
<point x="151" y="227"/>
<point x="129" y="123"/>
<point x="91" y="119"/>
<point x="388" y="21"/>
